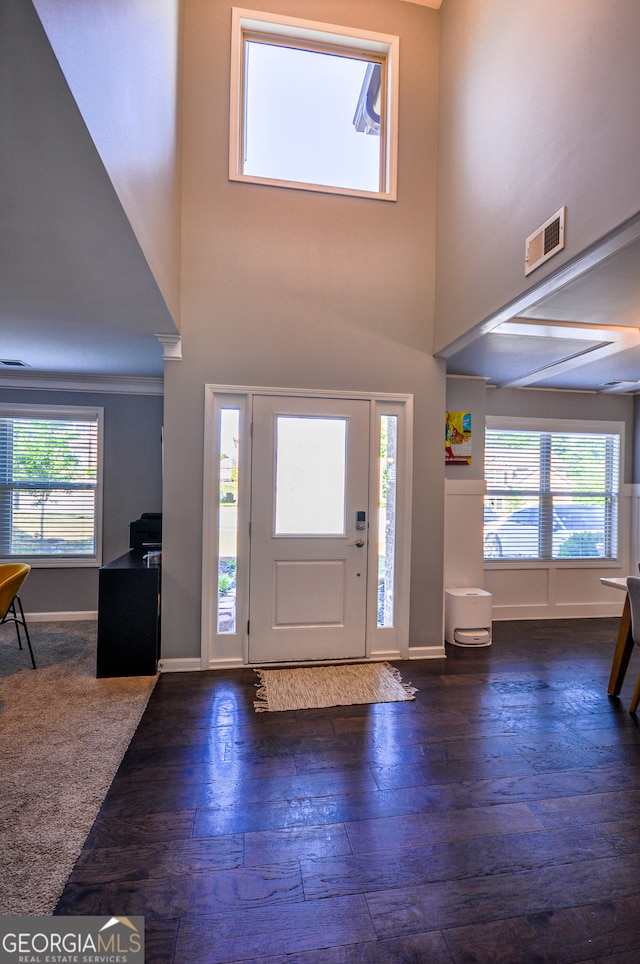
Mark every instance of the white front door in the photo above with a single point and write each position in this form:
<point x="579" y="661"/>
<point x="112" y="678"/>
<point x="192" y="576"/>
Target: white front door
<point x="309" y="526"/>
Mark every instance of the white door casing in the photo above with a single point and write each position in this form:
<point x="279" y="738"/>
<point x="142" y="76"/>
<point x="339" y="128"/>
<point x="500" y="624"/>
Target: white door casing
<point x="301" y="612"/>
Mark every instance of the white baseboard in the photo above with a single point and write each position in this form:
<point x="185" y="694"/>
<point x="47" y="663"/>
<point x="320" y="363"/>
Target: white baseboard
<point x="192" y="664"/>
<point x="566" y="611"/>
<point x="426" y="652"/>
<point x="388" y="655"/>
<point x="180" y="664"/>
<point x="61" y="617"/>
<point x="229" y="662"/>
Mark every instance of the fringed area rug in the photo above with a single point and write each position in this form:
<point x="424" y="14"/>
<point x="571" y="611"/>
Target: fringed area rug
<point x="305" y="688"/>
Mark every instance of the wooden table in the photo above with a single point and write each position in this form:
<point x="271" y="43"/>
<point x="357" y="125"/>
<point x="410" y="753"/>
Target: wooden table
<point x="624" y="642"/>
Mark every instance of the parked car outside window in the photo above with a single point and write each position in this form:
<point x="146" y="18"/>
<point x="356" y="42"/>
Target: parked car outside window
<point x="578" y="531"/>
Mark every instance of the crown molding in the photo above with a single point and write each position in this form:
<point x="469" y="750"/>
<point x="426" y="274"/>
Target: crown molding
<point x="78" y="382"/>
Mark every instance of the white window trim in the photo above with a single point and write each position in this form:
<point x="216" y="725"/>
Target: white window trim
<point x="338" y="36"/>
<point x="515" y="423"/>
<point x="8" y="410"/>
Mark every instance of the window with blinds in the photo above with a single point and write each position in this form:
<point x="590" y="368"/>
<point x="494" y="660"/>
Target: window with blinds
<point x="550" y="494"/>
<point x="50" y="484"/>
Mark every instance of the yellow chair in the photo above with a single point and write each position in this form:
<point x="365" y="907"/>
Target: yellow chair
<point x="12" y="575"/>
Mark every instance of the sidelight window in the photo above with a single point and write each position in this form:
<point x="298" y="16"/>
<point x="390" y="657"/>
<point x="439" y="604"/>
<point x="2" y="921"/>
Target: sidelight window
<point x="387" y="488"/>
<point x="229" y="436"/>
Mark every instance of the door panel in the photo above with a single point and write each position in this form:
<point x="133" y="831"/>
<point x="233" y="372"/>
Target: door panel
<point x="309" y="593"/>
<point x="308" y="572"/>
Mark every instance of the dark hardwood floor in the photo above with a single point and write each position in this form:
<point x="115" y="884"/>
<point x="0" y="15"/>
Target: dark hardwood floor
<point x="494" y="818"/>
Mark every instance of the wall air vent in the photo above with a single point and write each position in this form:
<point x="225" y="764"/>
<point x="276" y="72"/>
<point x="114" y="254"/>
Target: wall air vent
<point x="546" y="241"/>
<point x="12" y="363"/>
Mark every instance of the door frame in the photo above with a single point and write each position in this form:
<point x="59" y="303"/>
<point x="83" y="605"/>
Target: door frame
<point x="229" y="649"/>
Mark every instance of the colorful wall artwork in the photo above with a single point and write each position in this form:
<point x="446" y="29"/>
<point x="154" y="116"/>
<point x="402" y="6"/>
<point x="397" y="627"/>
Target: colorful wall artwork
<point x="457" y="438"/>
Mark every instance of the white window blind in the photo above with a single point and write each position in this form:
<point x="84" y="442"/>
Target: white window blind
<point x="49" y="483"/>
<point x="551" y="494"/>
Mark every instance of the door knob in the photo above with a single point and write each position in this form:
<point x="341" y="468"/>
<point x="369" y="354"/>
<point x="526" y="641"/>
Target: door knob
<point x="359" y="543"/>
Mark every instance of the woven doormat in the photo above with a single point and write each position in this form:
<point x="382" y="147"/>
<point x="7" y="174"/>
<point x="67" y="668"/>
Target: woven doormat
<point x="305" y="688"/>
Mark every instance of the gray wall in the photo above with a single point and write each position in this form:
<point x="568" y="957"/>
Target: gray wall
<point x="121" y="63"/>
<point x="132" y="485"/>
<point x="297" y="289"/>
<point x="469" y="395"/>
<point x="538" y="109"/>
<point x="529" y="403"/>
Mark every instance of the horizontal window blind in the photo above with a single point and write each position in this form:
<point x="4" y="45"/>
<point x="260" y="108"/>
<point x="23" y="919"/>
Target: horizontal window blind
<point x="49" y="487"/>
<point x="551" y="495"/>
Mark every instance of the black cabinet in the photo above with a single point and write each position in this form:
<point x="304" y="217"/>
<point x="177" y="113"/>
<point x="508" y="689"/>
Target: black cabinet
<point x="128" y="617"/>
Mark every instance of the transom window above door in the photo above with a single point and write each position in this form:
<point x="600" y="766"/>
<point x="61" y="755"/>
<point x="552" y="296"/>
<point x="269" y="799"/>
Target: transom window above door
<point x="313" y="106"/>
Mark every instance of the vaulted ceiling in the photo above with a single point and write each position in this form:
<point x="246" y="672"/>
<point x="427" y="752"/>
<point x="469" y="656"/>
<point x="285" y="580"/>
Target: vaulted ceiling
<point x="76" y="292"/>
<point x="78" y="296"/>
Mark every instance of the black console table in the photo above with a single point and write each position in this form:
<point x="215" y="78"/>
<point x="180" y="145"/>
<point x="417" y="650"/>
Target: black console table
<point x="128" y="617"/>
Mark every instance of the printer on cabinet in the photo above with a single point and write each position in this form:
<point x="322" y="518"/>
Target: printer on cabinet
<point x="146" y="532"/>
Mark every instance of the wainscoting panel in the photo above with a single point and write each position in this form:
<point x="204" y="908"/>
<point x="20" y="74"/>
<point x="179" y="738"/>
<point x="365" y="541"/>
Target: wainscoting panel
<point x="556" y="590"/>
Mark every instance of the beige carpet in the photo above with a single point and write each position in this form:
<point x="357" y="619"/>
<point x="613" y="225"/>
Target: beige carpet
<point x="304" y="688"/>
<point x="63" y="734"/>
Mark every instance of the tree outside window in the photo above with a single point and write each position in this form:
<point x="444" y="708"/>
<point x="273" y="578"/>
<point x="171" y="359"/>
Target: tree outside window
<point x="49" y="486"/>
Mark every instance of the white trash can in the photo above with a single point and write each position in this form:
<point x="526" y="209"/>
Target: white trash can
<point x="467" y="617"/>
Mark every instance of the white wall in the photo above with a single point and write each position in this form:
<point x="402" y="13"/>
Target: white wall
<point x="294" y="289"/>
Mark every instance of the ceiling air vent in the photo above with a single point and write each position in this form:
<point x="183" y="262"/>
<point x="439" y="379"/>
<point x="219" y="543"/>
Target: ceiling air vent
<point x="620" y="385"/>
<point x="12" y="363"/>
<point x="544" y="242"/>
